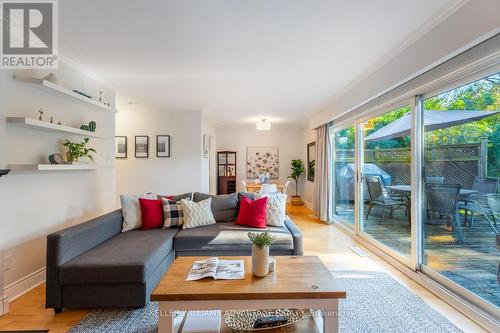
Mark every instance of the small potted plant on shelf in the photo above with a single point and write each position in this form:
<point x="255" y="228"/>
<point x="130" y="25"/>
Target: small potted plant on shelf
<point x="78" y="150"/>
<point x="261" y="241"/>
<point x="297" y="171"/>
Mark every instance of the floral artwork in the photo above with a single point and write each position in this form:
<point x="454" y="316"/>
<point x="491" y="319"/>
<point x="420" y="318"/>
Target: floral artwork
<point x="262" y="160"/>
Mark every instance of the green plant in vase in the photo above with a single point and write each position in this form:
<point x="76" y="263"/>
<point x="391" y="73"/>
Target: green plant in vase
<point x="78" y="150"/>
<point x="297" y="171"/>
<point x="261" y="239"/>
<point x="260" y="252"/>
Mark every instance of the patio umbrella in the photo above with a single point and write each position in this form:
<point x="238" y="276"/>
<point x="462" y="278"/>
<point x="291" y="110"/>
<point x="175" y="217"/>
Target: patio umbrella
<point x="433" y="120"/>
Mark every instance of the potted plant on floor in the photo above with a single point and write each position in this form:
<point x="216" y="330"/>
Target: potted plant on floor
<point x="78" y="150"/>
<point x="261" y="241"/>
<point x="297" y="171"/>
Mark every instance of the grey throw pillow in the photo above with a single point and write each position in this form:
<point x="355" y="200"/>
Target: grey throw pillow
<point x="177" y="198"/>
<point x="249" y="195"/>
<point x="224" y="206"/>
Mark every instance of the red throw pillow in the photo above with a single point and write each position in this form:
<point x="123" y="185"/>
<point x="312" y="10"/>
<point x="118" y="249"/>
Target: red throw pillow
<point x="252" y="212"/>
<point x="152" y="213"/>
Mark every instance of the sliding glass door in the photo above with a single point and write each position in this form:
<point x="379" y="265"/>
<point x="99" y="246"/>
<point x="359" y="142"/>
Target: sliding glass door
<point x="420" y="181"/>
<point x="385" y="163"/>
<point x="461" y="175"/>
<point x="343" y="175"/>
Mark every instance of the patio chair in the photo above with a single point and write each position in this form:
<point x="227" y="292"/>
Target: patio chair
<point x="443" y="199"/>
<point x="379" y="196"/>
<point x="478" y="203"/>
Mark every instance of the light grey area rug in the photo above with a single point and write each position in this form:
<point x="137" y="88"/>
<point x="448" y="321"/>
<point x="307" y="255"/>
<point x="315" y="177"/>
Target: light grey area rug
<point x="375" y="303"/>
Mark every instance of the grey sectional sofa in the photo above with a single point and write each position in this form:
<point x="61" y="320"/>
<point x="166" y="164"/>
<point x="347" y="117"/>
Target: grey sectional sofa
<point x="94" y="264"/>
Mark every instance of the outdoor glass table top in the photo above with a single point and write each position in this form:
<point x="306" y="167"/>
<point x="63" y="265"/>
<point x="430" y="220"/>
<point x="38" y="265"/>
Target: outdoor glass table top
<point x="407" y="188"/>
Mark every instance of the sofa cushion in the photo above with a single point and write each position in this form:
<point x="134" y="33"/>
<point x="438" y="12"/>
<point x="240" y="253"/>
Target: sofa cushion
<point x="197" y="214"/>
<point x="224" y="206"/>
<point x="252" y="213"/>
<point x="226" y="236"/>
<point x="178" y="197"/>
<point x="130" y="257"/>
<point x="152" y="213"/>
<point x="131" y="209"/>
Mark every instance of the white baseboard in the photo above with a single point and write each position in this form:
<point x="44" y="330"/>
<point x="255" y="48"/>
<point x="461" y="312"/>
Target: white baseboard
<point x="23" y="285"/>
<point x="4" y="306"/>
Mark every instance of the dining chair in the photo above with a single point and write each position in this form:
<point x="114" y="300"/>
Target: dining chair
<point x="379" y="196"/>
<point x="245" y="188"/>
<point x="443" y="199"/>
<point x="268" y="188"/>
<point x="478" y="203"/>
<point x="285" y="187"/>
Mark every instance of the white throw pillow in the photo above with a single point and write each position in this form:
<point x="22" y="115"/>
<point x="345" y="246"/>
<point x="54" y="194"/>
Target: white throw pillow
<point x="276" y="208"/>
<point x="197" y="214"/>
<point x="131" y="210"/>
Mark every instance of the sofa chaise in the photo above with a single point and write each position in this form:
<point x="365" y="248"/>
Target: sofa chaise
<point x="95" y="264"/>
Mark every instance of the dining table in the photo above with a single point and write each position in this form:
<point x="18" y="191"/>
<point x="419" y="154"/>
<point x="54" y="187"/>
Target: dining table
<point x="254" y="187"/>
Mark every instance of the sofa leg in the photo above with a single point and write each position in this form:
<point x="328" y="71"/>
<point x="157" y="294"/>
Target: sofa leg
<point x="58" y="310"/>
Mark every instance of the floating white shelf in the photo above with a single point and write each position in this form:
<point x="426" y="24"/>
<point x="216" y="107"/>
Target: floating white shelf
<point x="65" y="91"/>
<point x="51" y="167"/>
<point x="43" y="125"/>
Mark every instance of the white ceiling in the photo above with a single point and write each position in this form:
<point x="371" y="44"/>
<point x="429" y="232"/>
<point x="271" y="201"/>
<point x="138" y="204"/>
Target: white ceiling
<point x="239" y="60"/>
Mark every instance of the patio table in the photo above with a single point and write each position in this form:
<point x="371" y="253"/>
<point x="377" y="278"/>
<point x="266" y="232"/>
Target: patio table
<point x="464" y="192"/>
<point x="406" y="191"/>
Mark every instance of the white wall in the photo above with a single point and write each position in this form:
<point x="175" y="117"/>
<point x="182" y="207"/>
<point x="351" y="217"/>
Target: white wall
<point x="437" y="45"/>
<point x="34" y="203"/>
<point x="182" y="172"/>
<point x="289" y="140"/>
<point x="308" y="137"/>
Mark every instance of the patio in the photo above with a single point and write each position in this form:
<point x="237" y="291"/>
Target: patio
<point x="472" y="263"/>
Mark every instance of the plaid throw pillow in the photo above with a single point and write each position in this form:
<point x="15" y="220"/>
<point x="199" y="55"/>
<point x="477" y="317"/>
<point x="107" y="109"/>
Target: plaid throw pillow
<point x="172" y="214"/>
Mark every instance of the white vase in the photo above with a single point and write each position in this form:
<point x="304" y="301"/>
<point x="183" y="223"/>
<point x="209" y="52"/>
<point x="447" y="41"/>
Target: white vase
<point x="260" y="261"/>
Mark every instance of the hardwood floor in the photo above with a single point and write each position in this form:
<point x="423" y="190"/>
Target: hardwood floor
<point x="326" y="241"/>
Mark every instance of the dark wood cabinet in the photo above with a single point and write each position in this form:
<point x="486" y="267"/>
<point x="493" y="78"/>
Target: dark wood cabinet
<point x="226" y="168"/>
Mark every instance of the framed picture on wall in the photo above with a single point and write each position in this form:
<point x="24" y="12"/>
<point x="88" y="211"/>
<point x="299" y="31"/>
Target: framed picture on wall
<point x="262" y="160"/>
<point x="142" y="146"/>
<point x="121" y="147"/>
<point x="163" y="146"/>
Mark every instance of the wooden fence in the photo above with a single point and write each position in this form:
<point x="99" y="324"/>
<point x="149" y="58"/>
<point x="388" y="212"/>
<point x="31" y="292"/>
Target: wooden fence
<point x="458" y="164"/>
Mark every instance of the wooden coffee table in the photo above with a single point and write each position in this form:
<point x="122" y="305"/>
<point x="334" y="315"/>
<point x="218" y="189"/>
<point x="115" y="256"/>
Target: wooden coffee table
<point x="301" y="282"/>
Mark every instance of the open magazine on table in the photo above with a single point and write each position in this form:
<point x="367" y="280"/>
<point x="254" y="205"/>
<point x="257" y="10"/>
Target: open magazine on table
<point x="217" y="269"/>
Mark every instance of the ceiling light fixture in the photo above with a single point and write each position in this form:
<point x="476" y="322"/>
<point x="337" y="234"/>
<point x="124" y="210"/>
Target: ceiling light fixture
<point x="263" y="125"/>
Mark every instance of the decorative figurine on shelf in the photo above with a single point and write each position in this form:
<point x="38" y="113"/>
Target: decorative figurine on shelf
<point x="56" y="159"/>
<point x="59" y="123"/>
<point x="100" y="96"/>
<point x="41" y="114"/>
<point x="51" y="120"/>
<point x="92" y="126"/>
